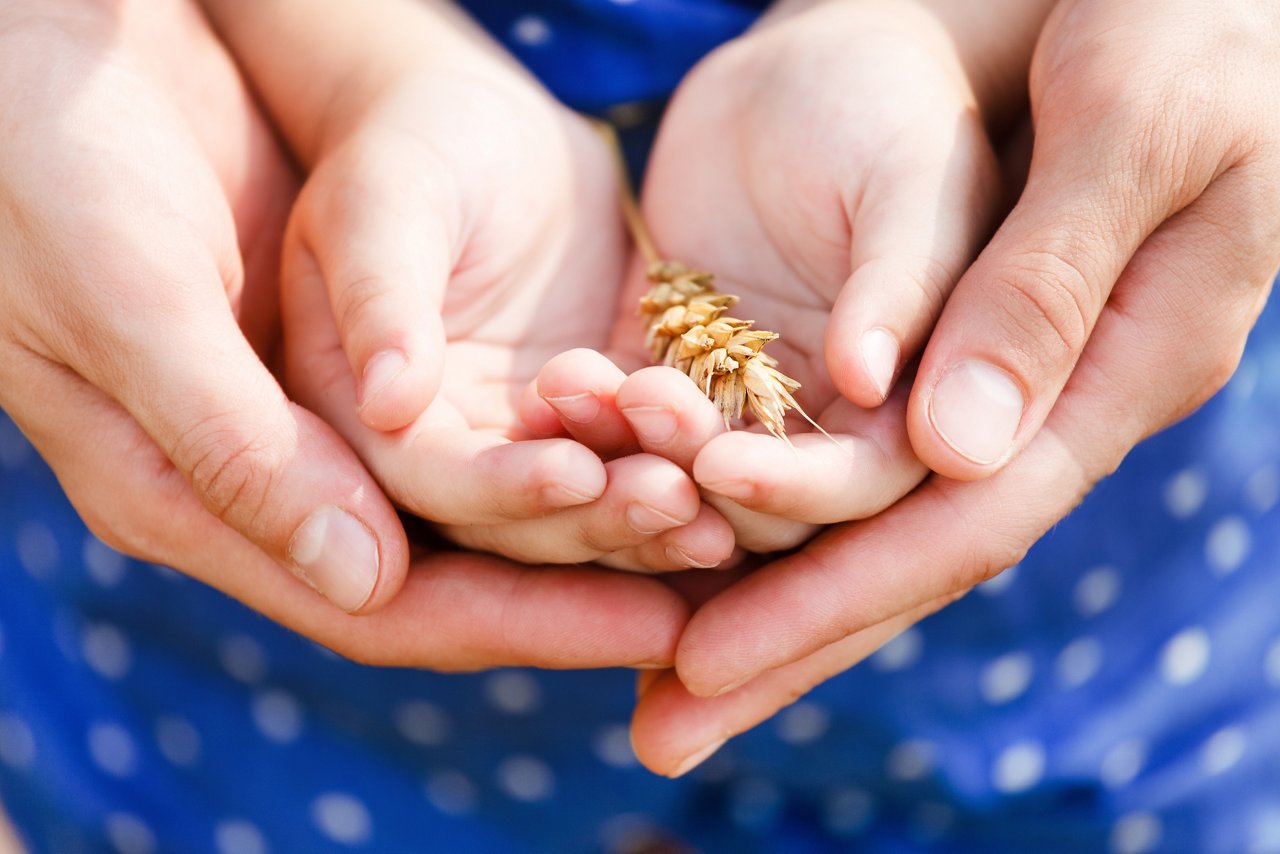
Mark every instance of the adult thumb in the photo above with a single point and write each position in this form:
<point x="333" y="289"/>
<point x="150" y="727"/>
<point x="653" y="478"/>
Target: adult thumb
<point x="267" y="468"/>
<point x="1021" y="316"/>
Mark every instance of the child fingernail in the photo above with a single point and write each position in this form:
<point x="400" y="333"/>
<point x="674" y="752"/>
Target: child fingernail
<point x="337" y="555"/>
<point x="644" y="519"/>
<point x="976" y="409"/>
<point x="559" y="495"/>
<point x="380" y="372"/>
<point x="579" y="408"/>
<point x="656" y="424"/>
<point x="697" y="758"/>
<point x="879" y="351"/>
<point x="737" y="490"/>
<point x="680" y="557"/>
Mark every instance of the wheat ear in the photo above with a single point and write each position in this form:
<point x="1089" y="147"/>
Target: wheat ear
<point x="689" y="330"/>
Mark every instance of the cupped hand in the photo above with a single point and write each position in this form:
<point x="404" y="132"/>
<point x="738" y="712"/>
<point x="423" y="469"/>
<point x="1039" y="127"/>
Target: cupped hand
<point x="139" y="181"/>
<point x="833" y="169"/>
<point x="458" y="229"/>
<point x="1115" y="298"/>
<point x="143" y="202"/>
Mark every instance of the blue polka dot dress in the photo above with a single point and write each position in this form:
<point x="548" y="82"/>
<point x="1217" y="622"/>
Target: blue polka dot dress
<point x="1118" y="691"/>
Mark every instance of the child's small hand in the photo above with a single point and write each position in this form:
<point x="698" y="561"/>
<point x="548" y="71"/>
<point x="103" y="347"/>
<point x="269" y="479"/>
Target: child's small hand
<point x="457" y="230"/>
<point x="833" y="169"/>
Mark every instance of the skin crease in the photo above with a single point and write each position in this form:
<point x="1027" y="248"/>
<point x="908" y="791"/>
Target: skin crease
<point x="1109" y="340"/>
<point x="449" y="187"/>
<point x="97" y="348"/>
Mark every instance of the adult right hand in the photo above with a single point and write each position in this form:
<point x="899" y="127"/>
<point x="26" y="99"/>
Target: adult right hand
<point x="130" y="157"/>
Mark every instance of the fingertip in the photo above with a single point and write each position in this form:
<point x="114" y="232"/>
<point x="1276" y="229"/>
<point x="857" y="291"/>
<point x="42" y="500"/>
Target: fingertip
<point x="963" y="419"/>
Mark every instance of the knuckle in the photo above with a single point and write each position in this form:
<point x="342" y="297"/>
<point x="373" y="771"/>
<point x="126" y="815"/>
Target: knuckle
<point x="232" y="470"/>
<point x="1049" y="301"/>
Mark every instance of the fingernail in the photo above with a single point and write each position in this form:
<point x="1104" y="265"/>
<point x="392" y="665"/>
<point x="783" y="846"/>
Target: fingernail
<point x="737" y="683"/>
<point x="696" y="759"/>
<point x="679" y="556"/>
<point x="559" y="495"/>
<point x="580" y="408"/>
<point x="644" y="519"/>
<point x="379" y="372"/>
<point x="337" y="555"/>
<point x="976" y="408"/>
<point x="879" y="351"/>
<point x="655" y="424"/>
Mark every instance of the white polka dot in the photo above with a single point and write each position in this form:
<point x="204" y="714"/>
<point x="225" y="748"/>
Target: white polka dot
<point x="451" y="792"/>
<point x="420" y="722"/>
<point x="526" y="778"/>
<point x="1006" y="678"/>
<point x="612" y="745"/>
<point x="128" y="834"/>
<point x="910" y="760"/>
<point x="277" y="715"/>
<point x="1136" y="833"/>
<point x="37" y="550"/>
<point x="14" y="448"/>
<point x="112" y="749"/>
<point x="1228" y="545"/>
<point x="66" y="634"/>
<point x="997" y="584"/>
<point x="1272" y="664"/>
<point x="1223" y="750"/>
<point x="243" y="658"/>
<point x="1096" y="591"/>
<point x="803" y="723"/>
<point x="1078" y="662"/>
<point x="1018" y="767"/>
<point x="900" y="652"/>
<point x="531" y="30"/>
<point x="931" y="820"/>
<point x="754" y="802"/>
<point x="178" y="741"/>
<point x="238" y="837"/>
<point x="1185" y="492"/>
<point x="515" y="692"/>
<point x="1185" y="657"/>
<point x="105" y="565"/>
<point x="1262" y="489"/>
<point x="1265" y="835"/>
<point x="847" y="811"/>
<point x="1245" y="381"/>
<point x="17" y="743"/>
<point x="1122" y="763"/>
<point x="342" y="818"/>
<point x="106" y="650"/>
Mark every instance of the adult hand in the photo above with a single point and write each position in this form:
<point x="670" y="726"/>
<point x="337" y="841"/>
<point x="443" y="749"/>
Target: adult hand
<point x="132" y="163"/>
<point x="1115" y="299"/>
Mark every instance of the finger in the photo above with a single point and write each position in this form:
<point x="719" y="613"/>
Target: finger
<point x="919" y="222"/>
<point x="580" y="386"/>
<point x="438" y="468"/>
<point x="1020" y="317"/>
<point x="674" y="731"/>
<point x="865" y="465"/>
<point x="669" y="414"/>
<point x="482" y="612"/>
<point x="705" y="543"/>
<point x="270" y="470"/>
<point x="380" y="243"/>
<point x="1138" y="374"/>
<point x="645" y="496"/>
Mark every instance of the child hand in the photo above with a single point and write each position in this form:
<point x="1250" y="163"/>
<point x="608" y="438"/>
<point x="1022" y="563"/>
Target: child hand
<point x="833" y="169"/>
<point x="459" y="228"/>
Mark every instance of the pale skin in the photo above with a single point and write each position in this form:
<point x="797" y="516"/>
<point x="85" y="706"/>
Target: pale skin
<point x="1115" y="297"/>
<point x="135" y="315"/>
<point x="445" y="186"/>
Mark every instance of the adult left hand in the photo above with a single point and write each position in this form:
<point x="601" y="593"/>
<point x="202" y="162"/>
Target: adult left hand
<point x="1115" y="298"/>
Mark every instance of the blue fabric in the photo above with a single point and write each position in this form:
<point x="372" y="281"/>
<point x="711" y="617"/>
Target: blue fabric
<point x="1120" y="690"/>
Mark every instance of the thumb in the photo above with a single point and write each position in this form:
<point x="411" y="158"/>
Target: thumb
<point x="377" y="238"/>
<point x="1020" y="317"/>
<point x="269" y="469"/>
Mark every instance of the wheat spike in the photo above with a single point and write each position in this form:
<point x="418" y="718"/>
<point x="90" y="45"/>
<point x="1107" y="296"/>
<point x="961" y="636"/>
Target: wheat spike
<point x="689" y="330"/>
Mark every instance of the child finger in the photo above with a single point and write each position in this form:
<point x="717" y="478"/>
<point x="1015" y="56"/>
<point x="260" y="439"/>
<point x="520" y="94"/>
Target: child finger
<point x="705" y="543"/>
<point x="669" y="414"/>
<point x="580" y="386"/>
